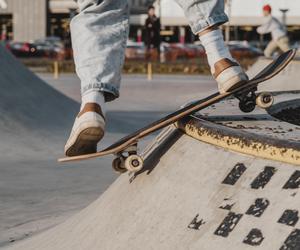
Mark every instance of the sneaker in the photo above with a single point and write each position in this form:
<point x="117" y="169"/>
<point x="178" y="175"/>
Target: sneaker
<point x="229" y="75"/>
<point x="87" y="131"/>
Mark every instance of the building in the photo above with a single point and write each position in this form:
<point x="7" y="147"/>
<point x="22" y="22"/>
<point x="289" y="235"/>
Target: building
<point x="26" y="20"/>
<point x="23" y="21"/>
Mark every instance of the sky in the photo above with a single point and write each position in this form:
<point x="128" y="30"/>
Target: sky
<point x="241" y="7"/>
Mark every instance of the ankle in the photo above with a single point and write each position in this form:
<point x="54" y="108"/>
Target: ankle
<point x="222" y="65"/>
<point x="207" y="30"/>
<point x="94" y="97"/>
<point x="91" y="107"/>
<point x="215" y="47"/>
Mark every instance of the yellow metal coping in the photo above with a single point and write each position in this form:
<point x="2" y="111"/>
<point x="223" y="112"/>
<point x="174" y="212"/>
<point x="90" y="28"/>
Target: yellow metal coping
<point x="241" y="141"/>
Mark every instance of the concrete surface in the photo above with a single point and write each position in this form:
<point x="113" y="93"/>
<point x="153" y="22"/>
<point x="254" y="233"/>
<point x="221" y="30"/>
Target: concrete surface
<point x="35" y="191"/>
<point x="259" y="122"/>
<point x="190" y="195"/>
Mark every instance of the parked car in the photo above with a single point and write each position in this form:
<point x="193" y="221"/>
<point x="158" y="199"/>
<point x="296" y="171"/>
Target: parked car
<point x="239" y="49"/>
<point x="242" y="49"/>
<point x="177" y="51"/>
<point x="135" y="51"/>
<point x="4" y="43"/>
<point x="171" y="52"/>
<point x="195" y="50"/>
<point x="51" y="47"/>
<point x="23" y="49"/>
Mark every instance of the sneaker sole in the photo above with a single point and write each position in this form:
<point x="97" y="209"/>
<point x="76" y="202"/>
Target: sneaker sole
<point x="237" y="84"/>
<point x="86" y="142"/>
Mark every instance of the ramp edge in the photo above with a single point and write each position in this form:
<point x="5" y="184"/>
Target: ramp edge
<point x="241" y="141"/>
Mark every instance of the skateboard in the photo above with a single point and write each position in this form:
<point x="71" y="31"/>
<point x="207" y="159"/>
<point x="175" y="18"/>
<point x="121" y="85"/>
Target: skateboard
<point x="125" y="149"/>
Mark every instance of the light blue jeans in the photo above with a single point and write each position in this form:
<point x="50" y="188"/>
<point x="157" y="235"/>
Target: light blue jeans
<point x="99" y="33"/>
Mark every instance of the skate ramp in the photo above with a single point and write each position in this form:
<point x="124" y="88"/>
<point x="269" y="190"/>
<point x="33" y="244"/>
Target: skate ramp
<point x="191" y="195"/>
<point x="34" y="122"/>
<point x="36" y="192"/>
<point x="27" y="101"/>
<point x="30" y="110"/>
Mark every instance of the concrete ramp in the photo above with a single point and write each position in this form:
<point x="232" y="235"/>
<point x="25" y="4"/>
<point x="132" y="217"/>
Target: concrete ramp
<point x="28" y="101"/>
<point x="31" y="111"/>
<point x="191" y="195"/>
<point x="287" y="80"/>
<point x="34" y="122"/>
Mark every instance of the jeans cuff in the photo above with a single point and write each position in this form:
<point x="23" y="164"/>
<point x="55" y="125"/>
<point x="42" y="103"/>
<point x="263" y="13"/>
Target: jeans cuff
<point x="199" y="26"/>
<point x="110" y="91"/>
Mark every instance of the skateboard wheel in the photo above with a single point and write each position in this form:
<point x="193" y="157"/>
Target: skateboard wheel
<point x="265" y="100"/>
<point x="118" y="165"/>
<point x="134" y="163"/>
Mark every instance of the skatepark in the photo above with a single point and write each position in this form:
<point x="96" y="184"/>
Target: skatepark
<point x="220" y="179"/>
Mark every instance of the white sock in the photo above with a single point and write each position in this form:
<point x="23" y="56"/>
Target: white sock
<point x="94" y="97"/>
<point x="215" y="47"/>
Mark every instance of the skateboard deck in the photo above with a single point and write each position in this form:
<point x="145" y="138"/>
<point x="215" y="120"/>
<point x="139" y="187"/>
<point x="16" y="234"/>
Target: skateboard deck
<point x="126" y="148"/>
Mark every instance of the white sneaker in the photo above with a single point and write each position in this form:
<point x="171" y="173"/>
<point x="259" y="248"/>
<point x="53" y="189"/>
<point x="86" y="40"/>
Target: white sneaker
<point x="87" y="131"/>
<point x="229" y="75"/>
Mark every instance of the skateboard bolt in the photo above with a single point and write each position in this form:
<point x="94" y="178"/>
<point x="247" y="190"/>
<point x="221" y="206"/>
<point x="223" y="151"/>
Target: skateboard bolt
<point x="135" y="163"/>
<point x="267" y="99"/>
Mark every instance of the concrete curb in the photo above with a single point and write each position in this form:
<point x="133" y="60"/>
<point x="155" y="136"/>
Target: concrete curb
<point x="241" y="141"/>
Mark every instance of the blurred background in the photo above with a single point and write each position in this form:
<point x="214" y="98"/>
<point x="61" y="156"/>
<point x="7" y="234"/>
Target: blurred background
<point x="40" y="29"/>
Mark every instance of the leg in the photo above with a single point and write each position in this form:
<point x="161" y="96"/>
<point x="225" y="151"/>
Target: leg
<point x="284" y="44"/>
<point x="203" y="14"/>
<point x="271" y="48"/>
<point x="205" y="17"/>
<point x="99" y="33"/>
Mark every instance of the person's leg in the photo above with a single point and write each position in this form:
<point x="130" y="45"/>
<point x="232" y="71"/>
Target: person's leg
<point x="99" y="33"/>
<point x="270" y="49"/>
<point x="284" y="43"/>
<point x="205" y="17"/>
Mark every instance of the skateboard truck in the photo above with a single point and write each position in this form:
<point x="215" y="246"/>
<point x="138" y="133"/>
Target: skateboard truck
<point x="248" y="99"/>
<point x="128" y="160"/>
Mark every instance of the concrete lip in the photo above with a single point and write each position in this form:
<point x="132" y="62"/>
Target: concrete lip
<point x="241" y="141"/>
<point x="258" y="133"/>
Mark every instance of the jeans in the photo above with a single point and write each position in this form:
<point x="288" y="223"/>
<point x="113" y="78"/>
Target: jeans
<point x="99" y="34"/>
<point x="282" y="43"/>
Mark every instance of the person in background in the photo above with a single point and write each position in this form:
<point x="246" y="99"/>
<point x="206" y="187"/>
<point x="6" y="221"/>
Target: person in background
<point x="152" y="32"/>
<point x="278" y="31"/>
